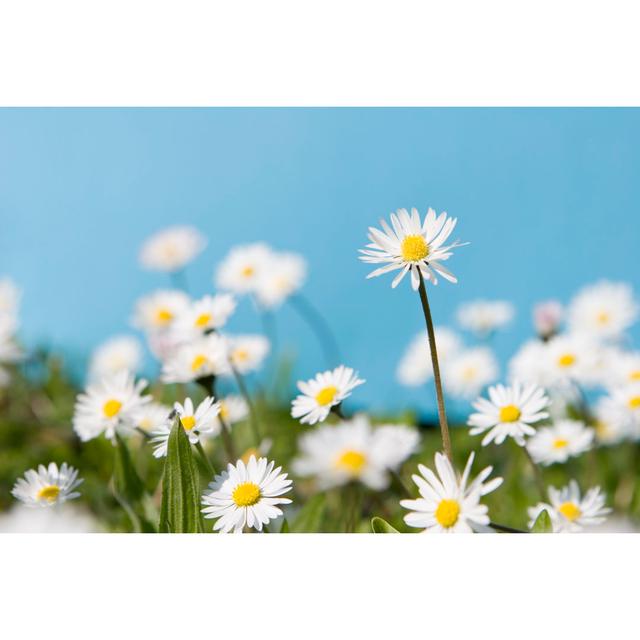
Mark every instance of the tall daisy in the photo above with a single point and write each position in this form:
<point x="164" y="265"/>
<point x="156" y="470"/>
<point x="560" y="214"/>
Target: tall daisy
<point x="243" y="268"/>
<point x="320" y="394"/>
<point x="568" y="511"/>
<point x="203" y="315"/>
<point x="509" y="412"/>
<point x="246" y="495"/>
<point x="284" y="276"/>
<point x="564" y="439"/>
<point x="247" y="352"/>
<point x="483" y="317"/>
<point x="448" y="503"/>
<point x="171" y="249"/>
<point x="120" y="353"/>
<point x="469" y="371"/>
<point x="233" y="409"/>
<point x="157" y="311"/>
<point x="47" y="486"/>
<point x="200" y="358"/>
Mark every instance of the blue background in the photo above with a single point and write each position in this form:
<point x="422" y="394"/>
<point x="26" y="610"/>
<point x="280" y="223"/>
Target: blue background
<point x="548" y="198"/>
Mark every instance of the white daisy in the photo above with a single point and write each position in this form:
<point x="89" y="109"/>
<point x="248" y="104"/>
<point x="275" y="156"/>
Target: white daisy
<point x="233" y="409"/>
<point x="47" y="486"/>
<point x="604" y="310"/>
<point x="246" y="495"/>
<point x="547" y="317"/>
<point x="150" y="417"/>
<point x="191" y="361"/>
<point x="70" y="519"/>
<point x="625" y="402"/>
<point x="559" y="442"/>
<point x="570" y="513"/>
<point x="571" y="358"/>
<point x="195" y="422"/>
<point x="483" y="317"/>
<point x="412" y="246"/>
<point x="284" y="276"/>
<point x="469" y="371"/>
<point x="447" y="503"/>
<point x="247" y="352"/>
<point x="622" y="367"/>
<point x="510" y="411"/>
<point x="415" y="367"/>
<point x="158" y="310"/>
<point x="108" y="406"/>
<point x="328" y="389"/>
<point x="528" y="363"/>
<point x="354" y="451"/>
<point x="120" y="353"/>
<point x="171" y="249"/>
<point x="204" y="315"/>
<point x="9" y="298"/>
<point x="612" y="422"/>
<point x="243" y="268"/>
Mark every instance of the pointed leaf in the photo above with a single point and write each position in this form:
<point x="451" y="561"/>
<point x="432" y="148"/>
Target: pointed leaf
<point x="309" y="518"/>
<point x="542" y="523"/>
<point x="379" y="525"/>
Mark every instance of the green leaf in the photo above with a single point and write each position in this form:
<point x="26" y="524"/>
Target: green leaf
<point x="285" y="527"/>
<point x="542" y="523"/>
<point x="309" y="518"/>
<point x="126" y="479"/>
<point x="180" y="511"/>
<point x="379" y="525"/>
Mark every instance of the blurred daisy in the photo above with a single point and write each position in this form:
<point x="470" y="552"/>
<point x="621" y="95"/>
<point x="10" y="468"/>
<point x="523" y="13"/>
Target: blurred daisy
<point x="171" y="249"/>
<point x="257" y="452"/>
<point x="568" y="358"/>
<point x="204" y="315"/>
<point x="191" y="361"/>
<point x="509" y="412"/>
<point x="246" y="495"/>
<point x="158" y="310"/>
<point x="10" y="352"/>
<point x="559" y="442"/>
<point x="284" y="276"/>
<point x="243" y="268"/>
<point x="233" y="409"/>
<point x="568" y="511"/>
<point x="195" y="422"/>
<point x="71" y="519"/>
<point x="150" y="417"/>
<point x="415" y="368"/>
<point x="9" y="298"/>
<point x="354" y="451"/>
<point x="412" y="246"/>
<point x="108" y="406"/>
<point x="328" y="389"/>
<point x="483" y="317"/>
<point x="449" y="504"/>
<point x="47" y="486"/>
<point x="547" y="317"/>
<point x="603" y="310"/>
<point x="625" y="403"/>
<point x="469" y="371"/>
<point x="528" y="363"/>
<point x="622" y="367"/>
<point x="612" y="424"/>
<point x="247" y="352"/>
<point x="120" y="353"/>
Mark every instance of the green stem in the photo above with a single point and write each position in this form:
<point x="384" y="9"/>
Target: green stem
<point x="537" y="473"/>
<point x="253" y="416"/>
<point x="205" y="459"/>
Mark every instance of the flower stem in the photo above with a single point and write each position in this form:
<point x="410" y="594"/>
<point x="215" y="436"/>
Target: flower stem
<point x="536" y="472"/>
<point x="205" y="459"/>
<point x="253" y="416"/>
<point x="442" y="414"/>
<point x="208" y="383"/>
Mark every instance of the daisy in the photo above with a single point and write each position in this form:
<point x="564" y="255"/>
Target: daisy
<point x="483" y="317"/>
<point x="71" y="519"/>
<point x="570" y="513"/>
<point x="570" y="358"/>
<point x="284" y="276"/>
<point x="204" y="315"/>
<point x="328" y="389"/>
<point x="415" y="367"/>
<point x="246" y="495"/>
<point x="469" y="371"/>
<point x="612" y="422"/>
<point x="510" y="411"/>
<point x="195" y="422"/>
<point x="158" y="310"/>
<point x="559" y="442"/>
<point x="233" y="409"/>
<point x="257" y="452"/>
<point x="447" y="504"/>
<point x="150" y="417"/>
<point x="171" y="249"/>
<point x="412" y="246"/>
<point x="622" y="367"/>
<point x="247" y="352"/>
<point x="192" y="361"/>
<point x="528" y="363"/>
<point x="625" y="401"/>
<point x="604" y="310"/>
<point x="47" y="486"/>
<point x="547" y="317"/>
<point x="108" y="405"/>
<point x="120" y="353"/>
<point x="243" y="268"/>
<point x="354" y="452"/>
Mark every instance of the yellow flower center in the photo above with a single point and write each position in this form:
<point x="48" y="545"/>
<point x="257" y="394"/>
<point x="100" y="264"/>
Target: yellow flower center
<point x="570" y="511"/>
<point x="145" y="424"/>
<point x="203" y="320"/>
<point x="603" y="318"/>
<point x="111" y="407"/>
<point x="560" y="443"/>
<point x="252" y="451"/>
<point x="163" y="316"/>
<point x="224" y="410"/>
<point x="188" y="422"/>
<point x="246" y="494"/>
<point x="325" y="396"/>
<point x="510" y="413"/>
<point x="634" y="402"/>
<point x="49" y="493"/>
<point x="469" y="374"/>
<point x="634" y="376"/>
<point x="352" y="461"/>
<point x="240" y="355"/>
<point x="447" y="513"/>
<point x="414" y="249"/>
<point x="198" y="362"/>
<point x="248" y="271"/>
<point x="566" y="360"/>
<point x="602" y="429"/>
